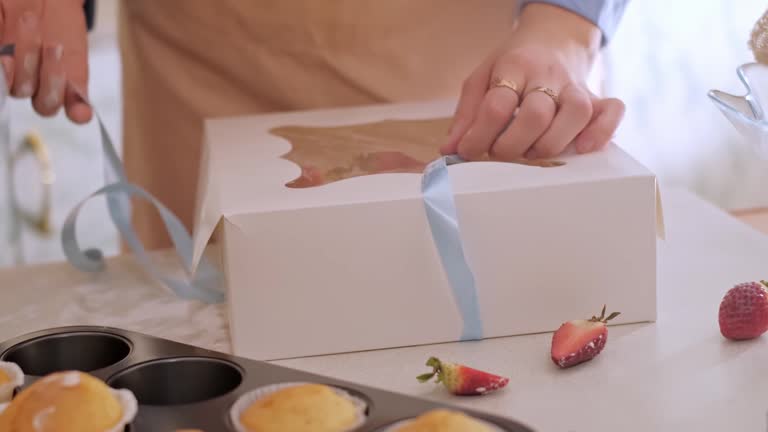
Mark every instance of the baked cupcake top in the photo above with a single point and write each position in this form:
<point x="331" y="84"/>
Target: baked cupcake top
<point x="304" y="407"/>
<point x="5" y="378"/>
<point x="441" y="420"/>
<point x="69" y="402"/>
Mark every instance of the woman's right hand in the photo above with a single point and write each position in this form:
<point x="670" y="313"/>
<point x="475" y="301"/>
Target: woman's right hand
<point x="50" y="65"/>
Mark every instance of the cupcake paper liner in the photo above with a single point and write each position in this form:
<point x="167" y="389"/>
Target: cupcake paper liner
<point x="17" y="380"/>
<point x="248" y="398"/>
<point x="395" y="426"/>
<point x="130" y="408"/>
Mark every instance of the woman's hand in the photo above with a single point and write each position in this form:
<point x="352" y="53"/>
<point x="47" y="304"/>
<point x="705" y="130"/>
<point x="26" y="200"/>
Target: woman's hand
<point x="542" y="71"/>
<point x="50" y="65"/>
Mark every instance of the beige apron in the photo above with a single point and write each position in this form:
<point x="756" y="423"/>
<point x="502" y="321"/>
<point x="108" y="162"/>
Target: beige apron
<point x="187" y="60"/>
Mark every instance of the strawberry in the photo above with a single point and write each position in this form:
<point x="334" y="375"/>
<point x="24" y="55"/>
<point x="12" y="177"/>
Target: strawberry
<point x="578" y="341"/>
<point x="310" y="176"/>
<point x="744" y="311"/>
<point x="462" y="380"/>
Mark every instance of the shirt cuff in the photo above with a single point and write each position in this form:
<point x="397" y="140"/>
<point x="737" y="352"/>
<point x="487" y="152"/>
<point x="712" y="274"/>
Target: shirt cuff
<point x="604" y="14"/>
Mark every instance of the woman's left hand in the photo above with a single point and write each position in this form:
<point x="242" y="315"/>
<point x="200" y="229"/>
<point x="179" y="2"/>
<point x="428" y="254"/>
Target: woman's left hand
<point x="530" y="99"/>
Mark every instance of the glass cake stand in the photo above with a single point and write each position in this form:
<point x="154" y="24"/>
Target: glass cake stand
<point x="748" y="113"/>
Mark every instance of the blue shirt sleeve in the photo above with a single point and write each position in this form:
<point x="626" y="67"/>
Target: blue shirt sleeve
<point x="605" y="14"/>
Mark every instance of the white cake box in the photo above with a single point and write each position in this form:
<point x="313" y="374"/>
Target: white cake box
<point x="352" y="265"/>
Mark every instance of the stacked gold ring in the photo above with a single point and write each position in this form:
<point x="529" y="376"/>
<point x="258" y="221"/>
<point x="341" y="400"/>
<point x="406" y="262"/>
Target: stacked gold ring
<point x="500" y="82"/>
<point x="549" y="92"/>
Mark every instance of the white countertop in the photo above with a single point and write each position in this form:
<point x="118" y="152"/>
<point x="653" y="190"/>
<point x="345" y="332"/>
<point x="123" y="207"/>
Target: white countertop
<point x="675" y="374"/>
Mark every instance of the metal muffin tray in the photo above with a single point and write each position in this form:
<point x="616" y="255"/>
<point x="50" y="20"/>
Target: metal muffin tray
<point x="180" y="386"/>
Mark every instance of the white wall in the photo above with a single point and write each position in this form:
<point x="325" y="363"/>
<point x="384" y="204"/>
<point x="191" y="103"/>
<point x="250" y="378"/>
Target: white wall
<point x="665" y="58"/>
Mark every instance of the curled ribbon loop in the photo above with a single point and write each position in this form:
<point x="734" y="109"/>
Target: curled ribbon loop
<point x="204" y="284"/>
<point x="444" y="223"/>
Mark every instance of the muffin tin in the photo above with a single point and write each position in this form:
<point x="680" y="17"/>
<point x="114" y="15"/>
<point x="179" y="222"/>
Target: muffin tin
<point x="180" y="386"/>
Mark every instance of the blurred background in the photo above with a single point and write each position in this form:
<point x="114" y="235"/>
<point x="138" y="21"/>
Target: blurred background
<point x="663" y="60"/>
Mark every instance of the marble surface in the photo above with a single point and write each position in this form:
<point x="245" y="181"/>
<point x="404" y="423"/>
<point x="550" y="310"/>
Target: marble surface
<point x="664" y="59"/>
<point x="676" y="374"/>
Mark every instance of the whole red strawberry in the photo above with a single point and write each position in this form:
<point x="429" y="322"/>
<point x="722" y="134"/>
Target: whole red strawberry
<point x="580" y="340"/>
<point x="462" y="380"/>
<point x="744" y="311"/>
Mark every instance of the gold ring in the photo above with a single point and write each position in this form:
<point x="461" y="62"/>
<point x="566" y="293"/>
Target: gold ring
<point x="500" y="82"/>
<point x="549" y="92"/>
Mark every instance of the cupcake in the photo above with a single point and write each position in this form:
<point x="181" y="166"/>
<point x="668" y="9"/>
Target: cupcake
<point x="443" y="421"/>
<point x="69" y="402"/>
<point x="11" y="377"/>
<point x="298" y="407"/>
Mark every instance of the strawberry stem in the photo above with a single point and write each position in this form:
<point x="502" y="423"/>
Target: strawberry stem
<point x="437" y="369"/>
<point x="602" y="317"/>
<point x="764" y="283"/>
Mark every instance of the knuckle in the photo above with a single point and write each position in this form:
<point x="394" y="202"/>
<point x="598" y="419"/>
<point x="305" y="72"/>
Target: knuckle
<point x="538" y="117"/>
<point x="582" y="106"/>
<point x="497" y="110"/>
<point x="557" y="69"/>
<point x="521" y="57"/>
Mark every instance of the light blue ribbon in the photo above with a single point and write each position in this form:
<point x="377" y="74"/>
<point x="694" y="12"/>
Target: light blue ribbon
<point x="444" y="222"/>
<point x="204" y="285"/>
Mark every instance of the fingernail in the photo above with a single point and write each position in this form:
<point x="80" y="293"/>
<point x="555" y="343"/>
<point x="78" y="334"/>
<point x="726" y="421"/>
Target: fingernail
<point x="26" y="90"/>
<point x="53" y="99"/>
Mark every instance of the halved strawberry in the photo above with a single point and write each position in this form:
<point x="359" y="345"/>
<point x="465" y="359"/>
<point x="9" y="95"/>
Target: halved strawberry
<point x="580" y="340"/>
<point x="462" y="380"/>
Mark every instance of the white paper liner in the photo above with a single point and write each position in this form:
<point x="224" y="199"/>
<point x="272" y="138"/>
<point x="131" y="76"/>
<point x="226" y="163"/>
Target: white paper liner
<point x="247" y="399"/>
<point x="17" y="380"/>
<point x="130" y="408"/>
<point x="395" y="426"/>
